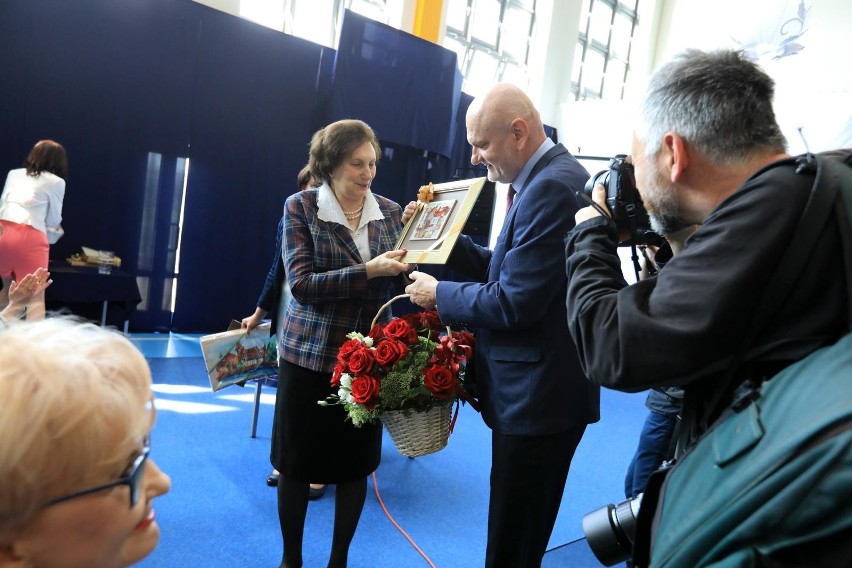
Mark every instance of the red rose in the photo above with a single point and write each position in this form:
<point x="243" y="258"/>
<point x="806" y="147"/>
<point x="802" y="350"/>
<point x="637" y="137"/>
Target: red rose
<point x="348" y="348"/>
<point x="422" y="322"/>
<point x="365" y="390"/>
<point x="401" y="330"/>
<point x="432" y="320"/>
<point x="376" y="333"/>
<point x="361" y="361"/>
<point x="413" y="319"/>
<point x="335" y="376"/>
<point x="389" y="351"/>
<point x="440" y="381"/>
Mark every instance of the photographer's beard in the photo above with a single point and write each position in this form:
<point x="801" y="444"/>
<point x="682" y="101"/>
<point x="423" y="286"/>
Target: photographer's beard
<point x="660" y="200"/>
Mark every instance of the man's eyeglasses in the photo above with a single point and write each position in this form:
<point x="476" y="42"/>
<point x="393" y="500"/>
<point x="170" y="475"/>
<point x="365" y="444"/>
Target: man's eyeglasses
<point x="133" y="480"/>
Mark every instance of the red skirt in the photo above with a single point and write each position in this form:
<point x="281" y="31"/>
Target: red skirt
<point x="23" y="249"/>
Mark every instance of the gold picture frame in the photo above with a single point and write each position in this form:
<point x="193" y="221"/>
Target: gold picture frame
<point x="442" y="211"/>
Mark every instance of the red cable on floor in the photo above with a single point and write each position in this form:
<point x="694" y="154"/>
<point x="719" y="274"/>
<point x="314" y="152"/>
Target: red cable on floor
<point x="399" y="528"/>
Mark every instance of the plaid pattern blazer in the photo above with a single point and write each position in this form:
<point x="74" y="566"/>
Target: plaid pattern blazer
<point x="331" y="295"/>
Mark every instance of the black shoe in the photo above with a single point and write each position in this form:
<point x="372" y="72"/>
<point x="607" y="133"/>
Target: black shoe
<point x="272" y="479"/>
<point x="315" y="494"/>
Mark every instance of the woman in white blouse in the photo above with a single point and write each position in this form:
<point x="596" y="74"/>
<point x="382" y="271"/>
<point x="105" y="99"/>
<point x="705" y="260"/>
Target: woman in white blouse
<point x="30" y="215"/>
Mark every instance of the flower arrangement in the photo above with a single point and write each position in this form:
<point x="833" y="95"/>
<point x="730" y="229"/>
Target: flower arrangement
<point x="412" y="363"/>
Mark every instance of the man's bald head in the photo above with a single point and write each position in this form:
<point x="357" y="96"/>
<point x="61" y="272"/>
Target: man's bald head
<point x="503" y="103"/>
<point x="505" y="129"/>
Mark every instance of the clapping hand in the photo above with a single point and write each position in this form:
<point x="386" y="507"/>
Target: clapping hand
<point x="25" y="290"/>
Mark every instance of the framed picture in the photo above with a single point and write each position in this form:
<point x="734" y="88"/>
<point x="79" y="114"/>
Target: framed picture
<point x="442" y="211"/>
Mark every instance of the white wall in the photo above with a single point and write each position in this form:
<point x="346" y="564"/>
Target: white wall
<point x="229" y="6"/>
<point x="813" y="87"/>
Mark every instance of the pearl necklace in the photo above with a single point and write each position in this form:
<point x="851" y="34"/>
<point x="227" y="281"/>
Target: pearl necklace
<point x="351" y="215"/>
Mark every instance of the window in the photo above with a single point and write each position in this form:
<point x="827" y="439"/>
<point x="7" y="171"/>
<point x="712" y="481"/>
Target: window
<point x="491" y="39"/>
<point x="318" y="20"/>
<point x="602" y="58"/>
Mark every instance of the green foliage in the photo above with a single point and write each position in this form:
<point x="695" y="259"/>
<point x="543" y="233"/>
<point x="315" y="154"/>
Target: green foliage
<point x="402" y="387"/>
<point x="360" y="415"/>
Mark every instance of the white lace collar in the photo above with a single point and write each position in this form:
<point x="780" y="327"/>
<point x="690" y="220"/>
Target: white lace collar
<point x="331" y="211"/>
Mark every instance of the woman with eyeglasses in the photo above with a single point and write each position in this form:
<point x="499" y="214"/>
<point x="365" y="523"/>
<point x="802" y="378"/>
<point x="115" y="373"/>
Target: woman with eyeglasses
<point x="76" y="480"/>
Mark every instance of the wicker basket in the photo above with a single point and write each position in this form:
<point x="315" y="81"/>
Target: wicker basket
<point x="419" y="433"/>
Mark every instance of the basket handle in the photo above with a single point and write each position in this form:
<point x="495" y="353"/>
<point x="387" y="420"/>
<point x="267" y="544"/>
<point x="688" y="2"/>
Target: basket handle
<point x="385" y="305"/>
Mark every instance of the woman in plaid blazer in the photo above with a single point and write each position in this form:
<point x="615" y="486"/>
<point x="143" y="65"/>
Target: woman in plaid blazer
<point x="340" y="264"/>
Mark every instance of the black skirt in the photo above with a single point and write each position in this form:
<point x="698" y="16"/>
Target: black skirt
<point x="316" y="443"/>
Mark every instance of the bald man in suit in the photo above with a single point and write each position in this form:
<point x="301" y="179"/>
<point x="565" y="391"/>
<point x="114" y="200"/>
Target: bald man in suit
<point x="534" y="396"/>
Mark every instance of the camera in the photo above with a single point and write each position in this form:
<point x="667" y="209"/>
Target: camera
<point x="610" y="530"/>
<point x="622" y="197"/>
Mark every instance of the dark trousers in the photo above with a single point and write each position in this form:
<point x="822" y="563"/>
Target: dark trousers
<point x="528" y="475"/>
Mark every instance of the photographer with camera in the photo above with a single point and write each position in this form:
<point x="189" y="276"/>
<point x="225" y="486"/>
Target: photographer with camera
<point x="718" y="320"/>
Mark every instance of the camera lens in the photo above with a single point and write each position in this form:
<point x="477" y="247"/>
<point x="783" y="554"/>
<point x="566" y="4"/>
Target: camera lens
<point x="601" y="177"/>
<point x="610" y="530"/>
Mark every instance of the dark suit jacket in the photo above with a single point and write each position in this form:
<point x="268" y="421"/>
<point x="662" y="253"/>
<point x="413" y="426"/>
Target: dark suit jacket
<point x="527" y="370"/>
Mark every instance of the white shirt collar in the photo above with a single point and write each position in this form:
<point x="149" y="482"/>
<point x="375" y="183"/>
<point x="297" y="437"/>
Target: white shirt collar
<point x="521" y="179"/>
<point x="331" y="211"/>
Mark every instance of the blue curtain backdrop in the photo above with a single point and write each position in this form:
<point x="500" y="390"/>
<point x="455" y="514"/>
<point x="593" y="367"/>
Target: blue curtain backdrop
<point x="254" y="111"/>
<point x="145" y="95"/>
<point x="405" y="87"/>
<point x="89" y="75"/>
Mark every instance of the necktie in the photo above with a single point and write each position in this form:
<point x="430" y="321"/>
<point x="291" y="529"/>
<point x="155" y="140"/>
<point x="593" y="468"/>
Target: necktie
<point x="510" y="197"/>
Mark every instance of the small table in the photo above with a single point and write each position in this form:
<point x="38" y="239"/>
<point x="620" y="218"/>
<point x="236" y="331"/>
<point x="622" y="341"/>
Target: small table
<point x="79" y="288"/>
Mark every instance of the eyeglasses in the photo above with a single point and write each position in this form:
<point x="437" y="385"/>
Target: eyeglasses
<point x="133" y="480"/>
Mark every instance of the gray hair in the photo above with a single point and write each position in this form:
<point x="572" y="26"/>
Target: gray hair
<point x="719" y="102"/>
<point x="74" y="402"/>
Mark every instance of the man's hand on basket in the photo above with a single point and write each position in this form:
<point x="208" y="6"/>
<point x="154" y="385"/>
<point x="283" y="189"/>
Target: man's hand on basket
<point x="422" y="291"/>
<point x="387" y="264"/>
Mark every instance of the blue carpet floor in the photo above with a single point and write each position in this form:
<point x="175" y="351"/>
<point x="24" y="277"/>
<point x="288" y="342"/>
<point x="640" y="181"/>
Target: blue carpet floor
<point x="220" y="513"/>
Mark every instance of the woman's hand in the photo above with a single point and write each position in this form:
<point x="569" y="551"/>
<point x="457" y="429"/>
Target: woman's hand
<point x="24" y="291"/>
<point x="409" y="212"/>
<point x="387" y="264"/>
<point x="253" y="320"/>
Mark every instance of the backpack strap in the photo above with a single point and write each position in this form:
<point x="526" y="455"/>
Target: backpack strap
<point x="843" y="213"/>
<point x="832" y="187"/>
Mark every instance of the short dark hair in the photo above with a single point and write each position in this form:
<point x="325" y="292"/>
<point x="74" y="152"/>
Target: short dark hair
<point x="47" y="156"/>
<point x="332" y="145"/>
